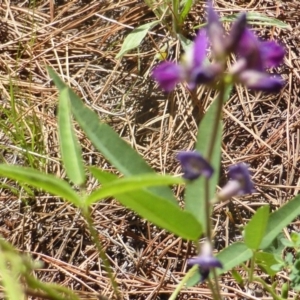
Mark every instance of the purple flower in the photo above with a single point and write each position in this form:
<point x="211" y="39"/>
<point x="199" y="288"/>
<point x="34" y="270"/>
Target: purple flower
<point x="239" y="184"/>
<point x="259" y="55"/>
<point x="261" y="81"/>
<point x="222" y="45"/>
<point x="254" y="57"/>
<point x="205" y="261"/>
<point x="194" y="165"/>
<point x="192" y="69"/>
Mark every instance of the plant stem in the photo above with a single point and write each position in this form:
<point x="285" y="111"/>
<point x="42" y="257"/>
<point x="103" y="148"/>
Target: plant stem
<point x="267" y="288"/>
<point x="220" y="99"/>
<point x="185" y="279"/>
<point x="175" y="15"/>
<point x="222" y="92"/>
<point x="251" y="270"/>
<point x="215" y="293"/>
<point x="93" y="231"/>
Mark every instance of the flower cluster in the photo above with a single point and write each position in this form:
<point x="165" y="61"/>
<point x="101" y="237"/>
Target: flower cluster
<point x="254" y="56"/>
<point x="194" y="165"/>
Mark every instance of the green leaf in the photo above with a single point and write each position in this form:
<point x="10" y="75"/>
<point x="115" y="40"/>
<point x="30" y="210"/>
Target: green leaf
<point x="129" y="184"/>
<point x="195" y="191"/>
<point x="265" y="261"/>
<point x="185" y="42"/>
<point x="256" y="18"/>
<point x="280" y="219"/>
<point x="186" y="9"/>
<point x="69" y="146"/>
<point x="46" y="182"/>
<point x="134" y="39"/>
<point x="256" y="228"/>
<point x="157" y="210"/>
<point x="108" y="142"/>
<point x="277" y="246"/>
<point x="10" y="263"/>
<point x="237" y="277"/>
<point x="233" y="256"/>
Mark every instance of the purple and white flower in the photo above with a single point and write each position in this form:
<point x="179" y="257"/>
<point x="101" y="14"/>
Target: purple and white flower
<point x="205" y="261"/>
<point x="240" y="182"/>
<point x="194" y="165"/>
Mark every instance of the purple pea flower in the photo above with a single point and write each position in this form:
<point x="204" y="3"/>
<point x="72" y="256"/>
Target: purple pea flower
<point x="254" y="57"/>
<point x="194" y="165"/>
<point x="222" y="45"/>
<point x="193" y="68"/>
<point x="239" y="184"/>
<point x="205" y="261"/>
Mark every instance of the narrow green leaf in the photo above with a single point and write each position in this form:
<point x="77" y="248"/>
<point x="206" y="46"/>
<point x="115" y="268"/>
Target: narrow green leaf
<point x="195" y="191"/>
<point x="233" y="256"/>
<point x="186" y="9"/>
<point x="46" y="182"/>
<point x="134" y="39"/>
<point x="254" y="18"/>
<point x="108" y="142"/>
<point x="9" y="262"/>
<point x="157" y="210"/>
<point x="69" y="146"/>
<point x="257" y="18"/>
<point x="256" y="227"/>
<point x="129" y="184"/>
<point x="280" y="219"/>
<point x="237" y="277"/>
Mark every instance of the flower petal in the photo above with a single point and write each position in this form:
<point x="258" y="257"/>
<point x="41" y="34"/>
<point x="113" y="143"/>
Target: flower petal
<point x="199" y="49"/>
<point x="207" y="73"/>
<point x="272" y="54"/>
<point x="240" y="183"/>
<point x="194" y="165"/>
<point x="236" y="33"/>
<point x="205" y="264"/>
<point x="240" y="173"/>
<point x="248" y="48"/>
<point x="168" y="74"/>
<point x="260" y="81"/>
<point x="215" y="31"/>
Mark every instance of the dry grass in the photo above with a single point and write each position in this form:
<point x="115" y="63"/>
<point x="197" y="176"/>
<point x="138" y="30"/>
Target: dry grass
<point x="80" y="43"/>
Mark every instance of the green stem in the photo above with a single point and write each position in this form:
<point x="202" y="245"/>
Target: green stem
<point x="175" y="15"/>
<point x="215" y="292"/>
<point x="222" y="93"/>
<point x="267" y="288"/>
<point x="220" y="99"/>
<point x="251" y="270"/>
<point x="102" y="255"/>
<point x="185" y="279"/>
